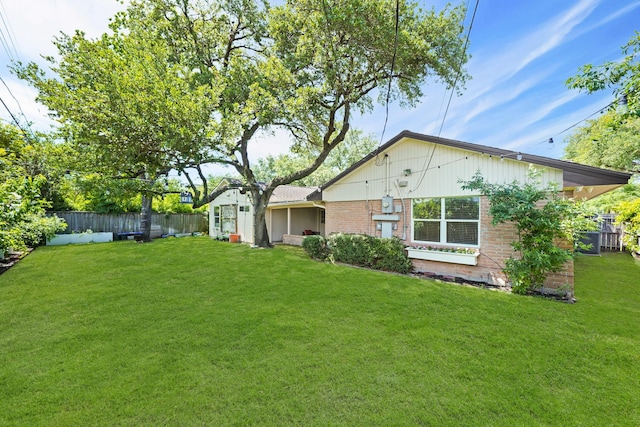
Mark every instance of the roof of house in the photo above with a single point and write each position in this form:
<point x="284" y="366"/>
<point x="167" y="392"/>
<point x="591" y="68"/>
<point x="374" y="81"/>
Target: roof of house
<point x="292" y="193"/>
<point x="282" y="194"/>
<point x="574" y="174"/>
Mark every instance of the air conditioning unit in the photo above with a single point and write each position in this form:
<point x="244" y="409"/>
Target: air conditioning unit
<point x="592" y="238"/>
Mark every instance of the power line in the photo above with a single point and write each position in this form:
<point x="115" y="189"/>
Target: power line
<point x="9" y="35"/>
<point x="18" y="103"/>
<point x="14" y="118"/>
<point x="444" y="117"/>
<point x="464" y="52"/>
<point x="393" y="64"/>
<point x="586" y="118"/>
<point x="600" y="110"/>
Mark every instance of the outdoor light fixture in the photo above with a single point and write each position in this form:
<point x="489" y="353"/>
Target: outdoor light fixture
<point x="186" y="197"/>
<point x="519" y="156"/>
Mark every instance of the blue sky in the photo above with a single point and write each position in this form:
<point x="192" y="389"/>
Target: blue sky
<point x="522" y="54"/>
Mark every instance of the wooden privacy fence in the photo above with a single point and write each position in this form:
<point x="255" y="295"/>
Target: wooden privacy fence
<point x="610" y="233"/>
<point x="116" y="223"/>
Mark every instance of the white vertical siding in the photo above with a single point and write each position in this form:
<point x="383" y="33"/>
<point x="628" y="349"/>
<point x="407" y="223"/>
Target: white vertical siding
<point x="433" y="173"/>
<point x="244" y="220"/>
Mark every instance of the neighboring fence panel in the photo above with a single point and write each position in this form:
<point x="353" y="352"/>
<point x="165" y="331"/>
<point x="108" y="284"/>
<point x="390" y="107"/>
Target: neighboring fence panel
<point x="115" y="223"/>
<point x="610" y="233"/>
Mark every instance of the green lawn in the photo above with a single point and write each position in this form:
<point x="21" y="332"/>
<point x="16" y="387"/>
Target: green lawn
<point x="198" y="332"/>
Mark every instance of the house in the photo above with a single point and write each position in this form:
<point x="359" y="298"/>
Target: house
<point x="410" y="188"/>
<point x="291" y="213"/>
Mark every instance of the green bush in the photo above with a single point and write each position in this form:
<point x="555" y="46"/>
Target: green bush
<point x="629" y="215"/>
<point x="542" y="217"/>
<point x="390" y="255"/>
<point x="316" y="247"/>
<point x="354" y="249"/>
<point x="370" y="252"/>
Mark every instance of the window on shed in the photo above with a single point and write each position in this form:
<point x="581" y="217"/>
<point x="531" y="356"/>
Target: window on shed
<point x="216" y="216"/>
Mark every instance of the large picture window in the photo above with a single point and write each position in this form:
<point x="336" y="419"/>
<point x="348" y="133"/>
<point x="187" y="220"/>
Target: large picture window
<point x="447" y="220"/>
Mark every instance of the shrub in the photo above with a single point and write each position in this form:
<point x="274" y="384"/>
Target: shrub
<point x="629" y="215"/>
<point x="316" y="247"/>
<point x="542" y="218"/>
<point x="354" y="249"/>
<point x="390" y="255"/>
<point x="370" y="252"/>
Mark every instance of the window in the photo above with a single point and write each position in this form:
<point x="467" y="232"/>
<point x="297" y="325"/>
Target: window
<point x="216" y="217"/>
<point x="447" y="221"/>
<point x="244" y="208"/>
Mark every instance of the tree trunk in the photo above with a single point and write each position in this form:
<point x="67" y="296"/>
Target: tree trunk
<point x="260" y="232"/>
<point x="145" y="217"/>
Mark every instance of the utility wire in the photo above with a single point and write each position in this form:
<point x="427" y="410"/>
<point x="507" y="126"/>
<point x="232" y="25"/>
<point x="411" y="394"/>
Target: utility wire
<point x="444" y="117"/>
<point x="18" y="103"/>
<point x="464" y="52"/>
<point x="393" y="64"/>
<point x="10" y="35"/>
<point x="586" y="118"/>
<point x="15" y="120"/>
<point x="600" y="110"/>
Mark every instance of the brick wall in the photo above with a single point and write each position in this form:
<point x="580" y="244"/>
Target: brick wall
<point x="495" y="248"/>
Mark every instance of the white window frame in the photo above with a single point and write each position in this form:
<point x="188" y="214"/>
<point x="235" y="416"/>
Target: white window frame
<point x="443" y="222"/>
<point x="216" y="218"/>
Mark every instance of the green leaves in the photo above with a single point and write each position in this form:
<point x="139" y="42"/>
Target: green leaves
<point x="182" y="84"/>
<point x="623" y="76"/>
<point x="543" y="220"/>
<point x="363" y="250"/>
<point x="22" y="208"/>
<point x="629" y="215"/>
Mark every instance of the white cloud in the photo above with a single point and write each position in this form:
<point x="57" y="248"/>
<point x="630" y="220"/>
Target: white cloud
<point x="492" y="70"/>
<point x="609" y="18"/>
<point x="36" y="23"/>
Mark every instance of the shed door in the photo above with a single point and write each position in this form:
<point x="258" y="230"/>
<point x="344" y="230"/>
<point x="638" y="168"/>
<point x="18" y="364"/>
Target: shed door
<point x="228" y="215"/>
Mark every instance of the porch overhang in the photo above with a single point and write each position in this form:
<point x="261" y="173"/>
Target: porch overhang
<point x="297" y="204"/>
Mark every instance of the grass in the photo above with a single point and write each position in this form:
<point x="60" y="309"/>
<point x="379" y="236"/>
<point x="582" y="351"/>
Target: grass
<point x="197" y="332"/>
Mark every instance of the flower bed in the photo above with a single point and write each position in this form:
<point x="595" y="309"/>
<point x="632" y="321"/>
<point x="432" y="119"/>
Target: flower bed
<point x="66" y="239"/>
<point x="452" y="255"/>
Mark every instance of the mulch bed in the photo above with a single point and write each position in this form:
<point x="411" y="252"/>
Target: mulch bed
<point x="484" y="285"/>
<point x="461" y="281"/>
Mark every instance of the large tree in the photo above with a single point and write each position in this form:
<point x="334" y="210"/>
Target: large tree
<point x="314" y="64"/>
<point x="233" y="69"/>
<point x="130" y="113"/>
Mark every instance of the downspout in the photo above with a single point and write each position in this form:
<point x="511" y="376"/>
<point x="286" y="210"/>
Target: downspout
<point x="367" y="206"/>
<point x="387" y="177"/>
<point x="404" y="212"/>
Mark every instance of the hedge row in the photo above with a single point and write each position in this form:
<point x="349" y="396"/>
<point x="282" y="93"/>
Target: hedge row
<point x="361" y="250"/>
